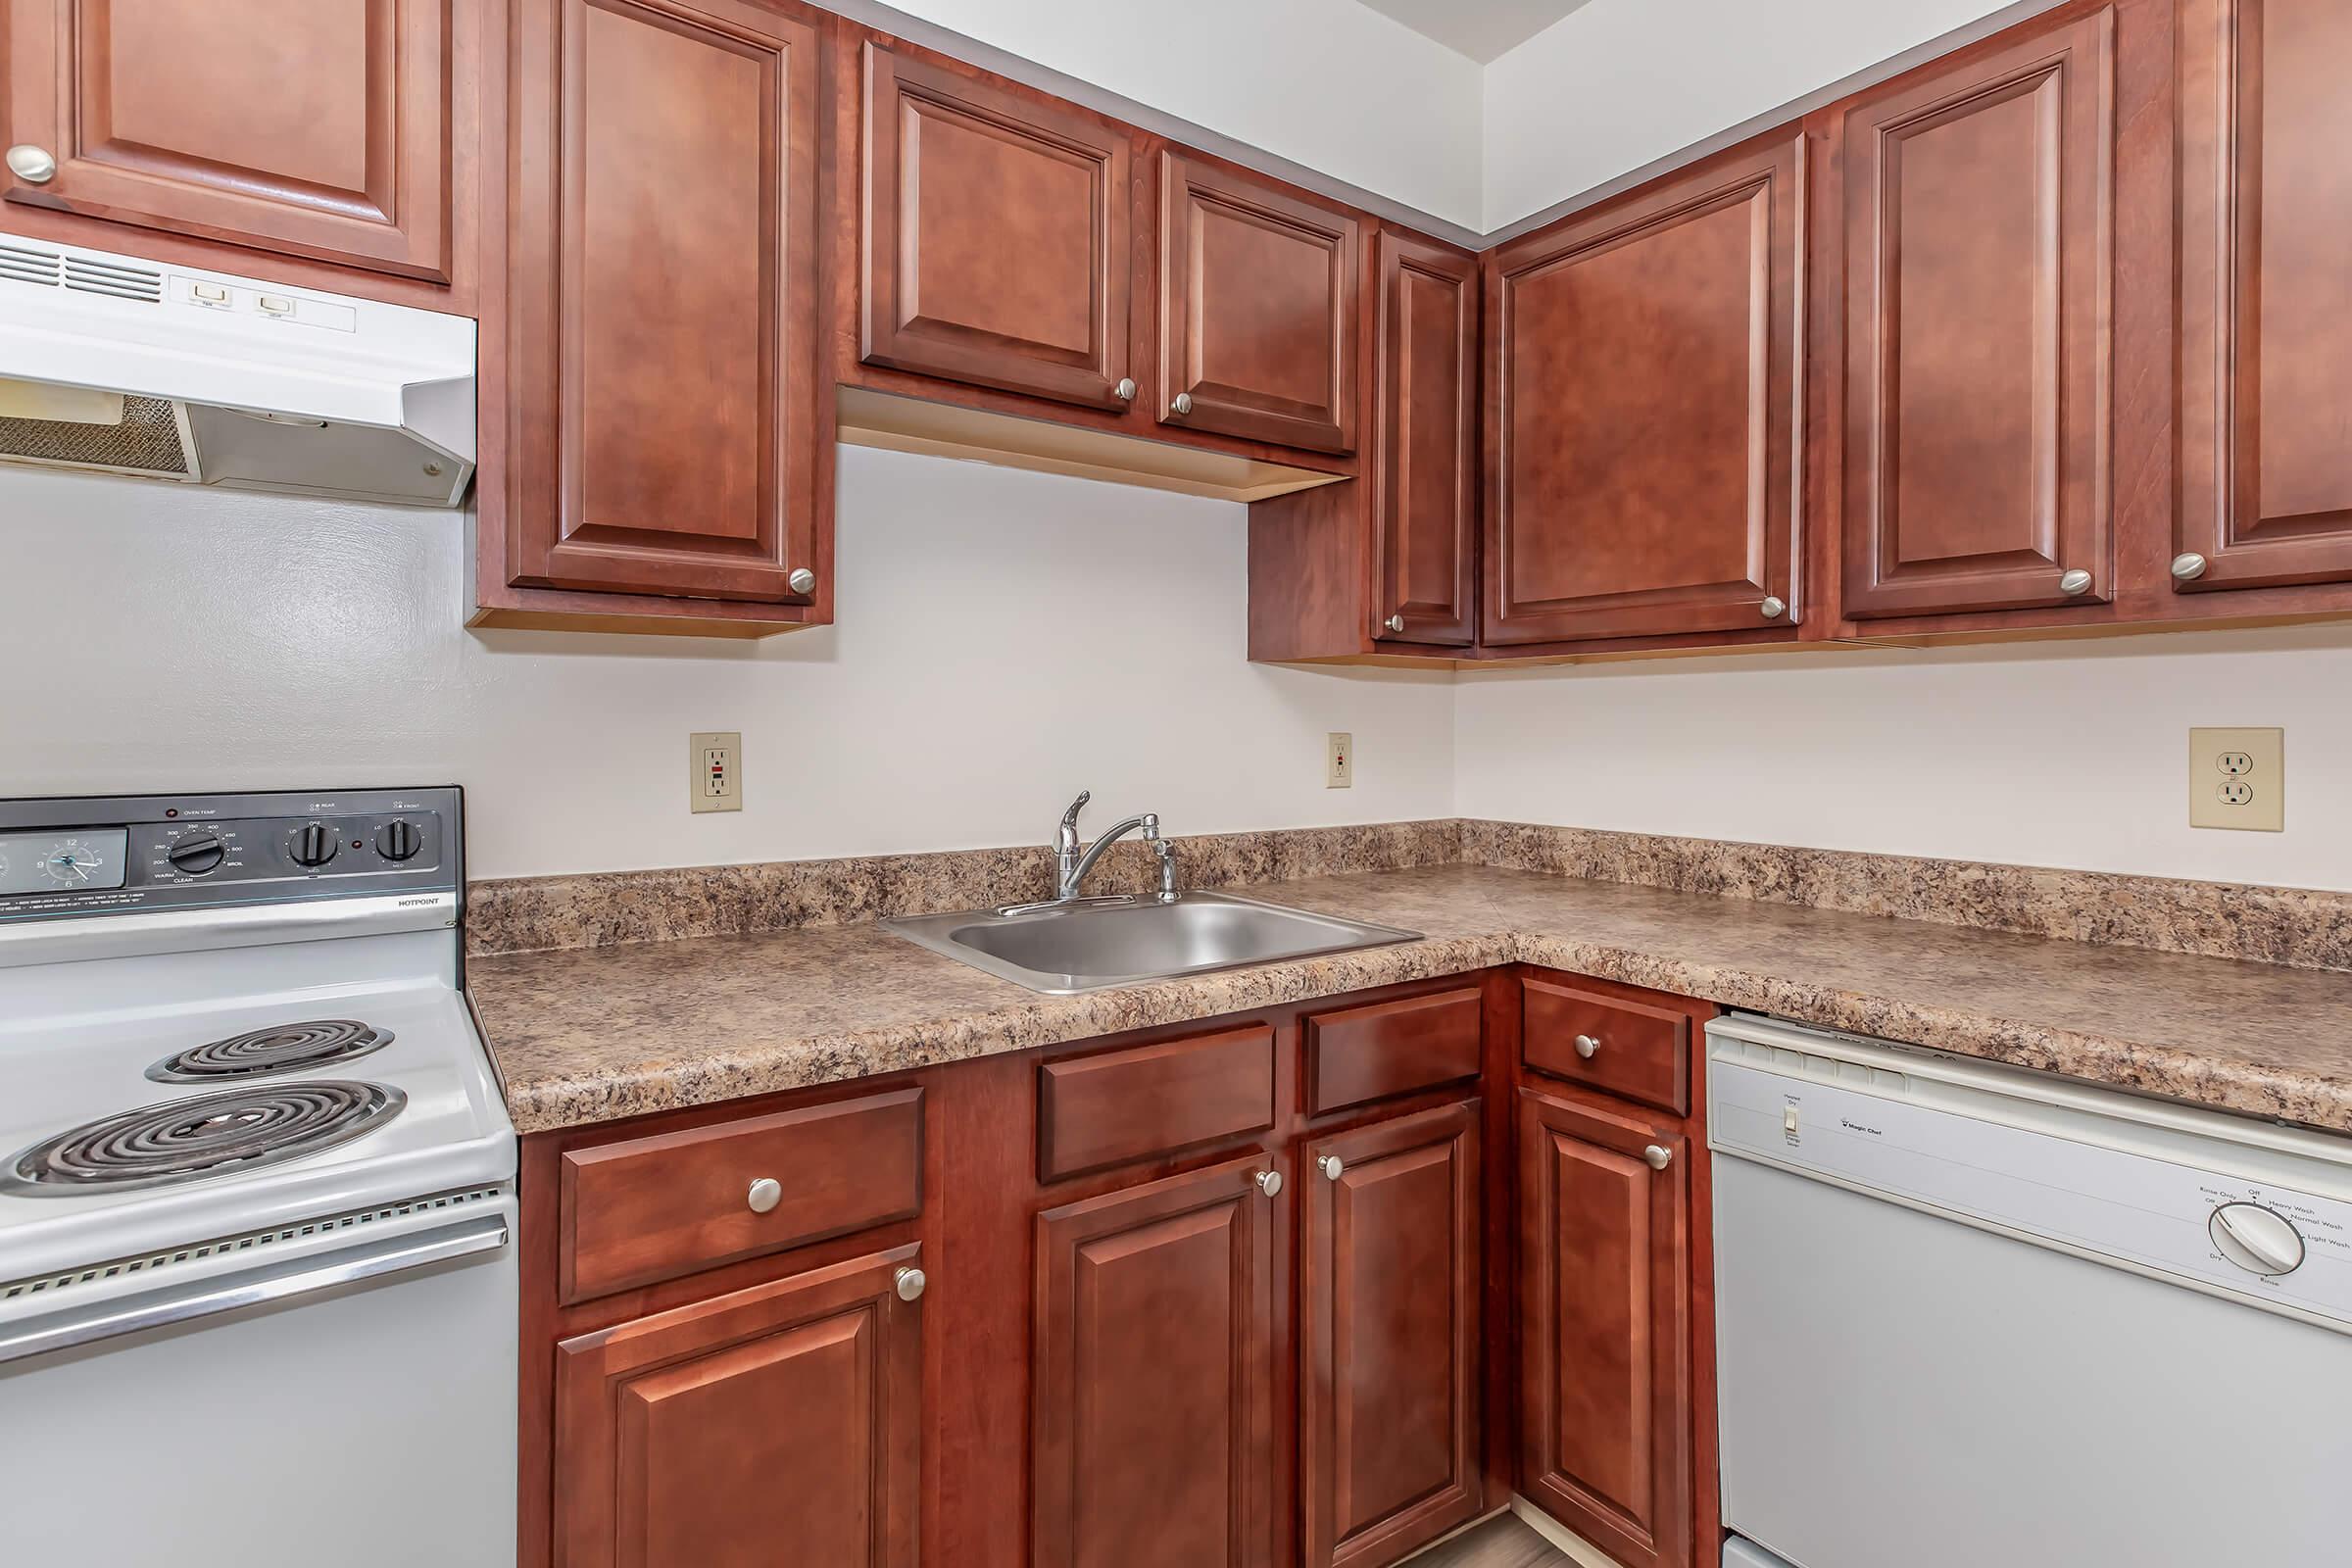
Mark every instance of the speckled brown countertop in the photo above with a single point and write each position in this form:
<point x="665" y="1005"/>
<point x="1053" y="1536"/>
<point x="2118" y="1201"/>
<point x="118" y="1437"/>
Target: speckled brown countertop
<point x="594" y="1034"/>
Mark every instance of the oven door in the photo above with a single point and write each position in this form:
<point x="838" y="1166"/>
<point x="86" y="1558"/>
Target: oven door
<point x="346" y="1397"/>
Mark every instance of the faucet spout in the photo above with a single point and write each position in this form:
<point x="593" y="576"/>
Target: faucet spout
<point x="1075" y="877"/>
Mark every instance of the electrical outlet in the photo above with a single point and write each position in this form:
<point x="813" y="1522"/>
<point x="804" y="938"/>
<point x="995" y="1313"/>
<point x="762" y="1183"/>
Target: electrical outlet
<point x="2237" y="778"/>
<point x="715" y="771"/>
<point x="1339" y="762"/>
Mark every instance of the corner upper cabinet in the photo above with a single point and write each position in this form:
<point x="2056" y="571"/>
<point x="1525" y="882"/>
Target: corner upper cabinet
<point x="665" y="433"/>
<point x="1644" y="410"/>
<point x="2266" y="294"/>
<point x="314" y="130"/>
<point x="1979" y="272"/>
<point x="1423" y="472"/>
<point x="996" y="235"/>
<point x="1258" y="309"/>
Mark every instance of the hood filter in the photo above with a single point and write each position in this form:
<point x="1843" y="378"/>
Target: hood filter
<point x="149" y="439"/>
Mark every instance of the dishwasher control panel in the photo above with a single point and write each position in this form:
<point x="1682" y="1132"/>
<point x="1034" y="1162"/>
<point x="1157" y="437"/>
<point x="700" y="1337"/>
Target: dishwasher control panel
<point x="2099" y="1174"/>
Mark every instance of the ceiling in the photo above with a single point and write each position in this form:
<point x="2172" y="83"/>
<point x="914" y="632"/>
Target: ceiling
<point x="1479" y="28"/>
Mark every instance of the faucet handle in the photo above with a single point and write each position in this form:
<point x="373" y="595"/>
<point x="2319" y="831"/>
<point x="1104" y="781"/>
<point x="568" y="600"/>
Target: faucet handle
<point x="1069" y="818"/>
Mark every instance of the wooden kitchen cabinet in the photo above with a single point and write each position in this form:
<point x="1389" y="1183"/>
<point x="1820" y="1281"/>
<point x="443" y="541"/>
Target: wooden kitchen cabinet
<point x="717" y="1432"/>
<point x="2266" y="297"/>
<point x="666" y="454"/>
<point x="996" y="235"/>
<point x="1423" y="476"/>
<point x="1606" y="1370"/>
<point x="328" y="132"/>
<point x="1152" y="1438"/>
<point x="1643" y="433"/>
<point x="1980" y="235"/>
<point x="1389" y="1305"/>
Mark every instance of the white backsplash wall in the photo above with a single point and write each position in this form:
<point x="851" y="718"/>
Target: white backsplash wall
<point x="2044" y="754"/>
<point x="1005" y="639"/>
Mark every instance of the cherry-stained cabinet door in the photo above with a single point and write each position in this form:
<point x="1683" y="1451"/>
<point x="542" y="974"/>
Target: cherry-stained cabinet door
<point x="1425" y="439"/>
<point x="778" y="1423"/>
<point x="1258" y="310"/>
<point x="1645" y="401"/>
<point x="311" y="130"/>
<point x="1604" y="1342"/>
<point x="663" y="261"/>
<point x="997" y="226"/>
<point x="1978" y="268"/>
<point x="2265" y="293"/>
<point x="1152" y="1438"/>
<point x="1389" y="1318"/>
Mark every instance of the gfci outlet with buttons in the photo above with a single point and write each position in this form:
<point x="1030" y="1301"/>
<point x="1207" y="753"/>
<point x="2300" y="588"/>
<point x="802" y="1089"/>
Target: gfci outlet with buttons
<point x="715" y="771"/>
<point x="1339" y="762"/>
<point x="2237" y="778"/>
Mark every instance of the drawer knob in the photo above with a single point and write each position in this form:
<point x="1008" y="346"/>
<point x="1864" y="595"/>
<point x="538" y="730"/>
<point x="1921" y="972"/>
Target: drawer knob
<point x="1394" y="622"/>
<point x="1330" y="1166"/>
<point x="1269" y="1181"/>
<point x="1658" y="1155"/>
<point x="2076" y="581"/>
<point x="912" y="1284"/>
<point x="1125" y="390"/>
<point x="1774" y="607"/>
<point x="1586" y="1045"/>
<point x="1180" y="403"/>
<point x="31" y="164"/>
<point x="801" y="581"/>
<point x="765" y="1193"/>
<point x="2189" y="566"/>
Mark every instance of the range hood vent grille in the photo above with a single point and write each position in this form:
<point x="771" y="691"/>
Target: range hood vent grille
<point x="148" y="440"/>
<point x="86" y="273"/>
<point x="22" y="264"/>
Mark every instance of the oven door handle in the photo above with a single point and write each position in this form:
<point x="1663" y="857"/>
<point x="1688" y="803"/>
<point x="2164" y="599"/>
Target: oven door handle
<point x="101" y="1320"/>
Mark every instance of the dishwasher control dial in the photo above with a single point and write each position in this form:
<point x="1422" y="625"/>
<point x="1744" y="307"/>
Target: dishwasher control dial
<point x="2257" y="1239"/>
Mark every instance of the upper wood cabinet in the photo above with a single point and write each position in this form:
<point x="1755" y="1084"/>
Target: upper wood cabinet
<point x="1978" y="268"/>
<point x="1389" y="1318"/>
<point x="2266" y="294"/>
<point x="664" y="430"/>
<point x="1423" y="472"/>
<point x="1645" y="401"/>
<point x="790" y="1411"/>
<point x="1258" y="309"/>
<point x="306" y="129"/>
<point x="1604" y="1338"/>
<point x="997" y="235"/>
<point x="1152" y="1438"/>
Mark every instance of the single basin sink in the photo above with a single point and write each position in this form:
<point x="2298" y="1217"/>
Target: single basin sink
<point x="1087" y="947"/>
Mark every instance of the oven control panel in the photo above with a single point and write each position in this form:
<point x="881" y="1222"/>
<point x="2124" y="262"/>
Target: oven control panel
<point x="69" y="857"/>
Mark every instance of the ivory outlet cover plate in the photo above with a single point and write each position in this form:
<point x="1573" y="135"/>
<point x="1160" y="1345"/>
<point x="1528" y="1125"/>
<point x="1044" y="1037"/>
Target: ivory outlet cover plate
<point x="715" y="771"/>
<point x="2237" y="778"/>
<point x="1339" y="765"/>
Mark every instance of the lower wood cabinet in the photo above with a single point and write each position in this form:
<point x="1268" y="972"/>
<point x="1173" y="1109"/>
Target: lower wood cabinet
<point x="1152" y="1433"/>
<point x="1389" y="1301"/>
<point x="1604" y="1349"/>
<point x="712" y="1434"/>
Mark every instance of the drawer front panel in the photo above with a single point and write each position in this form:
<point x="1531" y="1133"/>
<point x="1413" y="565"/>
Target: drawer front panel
<point x="1356" y="1054"/>
<point x="1612" y="1044"/>
<point x="1122" y="1105"/>
<point x="653" y="1208"/>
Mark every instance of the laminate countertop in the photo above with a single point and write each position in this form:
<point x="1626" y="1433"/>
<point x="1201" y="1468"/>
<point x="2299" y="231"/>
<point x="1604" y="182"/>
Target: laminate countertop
<point x="595" y="1033"/>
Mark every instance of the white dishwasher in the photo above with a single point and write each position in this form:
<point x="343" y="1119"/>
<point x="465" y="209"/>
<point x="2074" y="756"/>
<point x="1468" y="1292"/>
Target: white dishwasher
<point x="1969" y="1317"/>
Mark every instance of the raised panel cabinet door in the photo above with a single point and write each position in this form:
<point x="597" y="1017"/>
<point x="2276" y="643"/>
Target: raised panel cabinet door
<point x="2266" y="294"/>
<point x="1645" y="415"/>
<point x="1258" y="310"/>
<point x="1424" y="440"/>
<point x="1388" y="1307"/>
<point x="663" y="279"/>
<point x="1604" y="1342"/>
<point x="997" y="245"/>
<point x="1980" y="262"/>
<point x="1151" y="1437"/>
<point x="291" y="126"/>
<point x="778" y="1423"/>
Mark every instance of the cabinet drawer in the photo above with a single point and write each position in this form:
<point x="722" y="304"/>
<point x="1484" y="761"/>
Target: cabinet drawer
<point x="1123" y="1106"/>
<point x="1355" y="1054"/>
<point x="1636" y="1049"/>
<point x="653" y="1208"/>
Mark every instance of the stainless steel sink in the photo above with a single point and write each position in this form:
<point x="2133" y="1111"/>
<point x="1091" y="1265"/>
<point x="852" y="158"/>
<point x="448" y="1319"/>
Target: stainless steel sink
<point x="1087" y="946"/>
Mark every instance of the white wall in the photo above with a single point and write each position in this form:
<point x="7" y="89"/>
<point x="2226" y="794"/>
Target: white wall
<point x="1328" y="83"/>
<point x="1005" y="639"/>
<point x="2051" y="754"/>
<point x="1619" y="83"/>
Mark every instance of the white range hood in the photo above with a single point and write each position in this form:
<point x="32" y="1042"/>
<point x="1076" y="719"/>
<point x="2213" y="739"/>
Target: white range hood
<point x="123" y="365"/>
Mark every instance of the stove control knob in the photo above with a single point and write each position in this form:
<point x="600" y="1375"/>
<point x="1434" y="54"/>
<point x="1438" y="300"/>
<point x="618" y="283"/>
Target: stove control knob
<point x="2259" y="1240"/>
<point x="313" y="845"/>
<point x="196" y="853"/>
<point x="398" y="840"/>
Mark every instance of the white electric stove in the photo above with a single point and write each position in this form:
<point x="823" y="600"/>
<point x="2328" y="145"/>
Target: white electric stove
<point x="257" y="1276"/>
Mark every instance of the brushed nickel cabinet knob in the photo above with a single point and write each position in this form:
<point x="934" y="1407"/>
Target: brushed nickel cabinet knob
<point x="1268" y="1182"/>
<point x="1330" y="1167"/>
<point x="1658" y="1155"/>
<point x="801" y="581"/>
<point x="1125" y="390"/>
<point x="1180" y="403"/>
<point x="1586" y="1045"/>
<point x="1395" y="624"/>
<point x="910" y="1284"/>
<point x="765" y="1193"/>
<point x="2189" y="566"/>
<point x="2076" y="581"/>
<point x="1774" y="607"/>
<point x="31" y="164"/>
